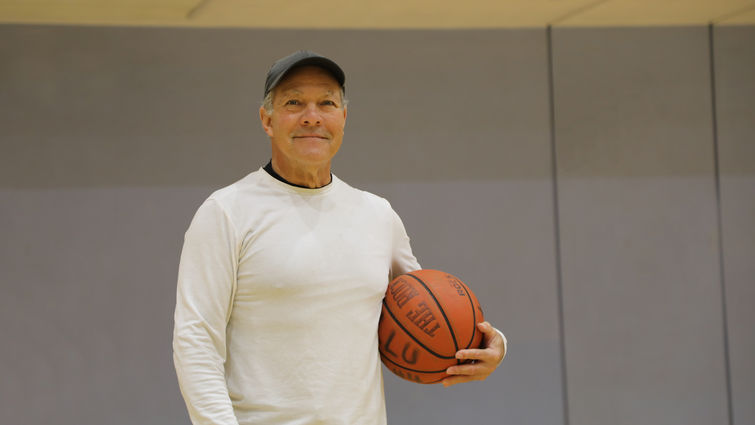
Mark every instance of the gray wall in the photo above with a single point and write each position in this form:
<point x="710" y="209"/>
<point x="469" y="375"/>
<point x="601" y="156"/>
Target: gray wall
<point x="601" y="208"/>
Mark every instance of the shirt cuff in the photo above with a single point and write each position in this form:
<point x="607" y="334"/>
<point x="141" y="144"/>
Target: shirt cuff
<point x="505" y="345"/>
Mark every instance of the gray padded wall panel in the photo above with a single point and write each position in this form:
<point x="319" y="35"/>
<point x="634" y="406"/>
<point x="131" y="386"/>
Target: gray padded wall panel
<point x="440" y="105"/>
<point x="735" y="107"/>
<point x="87" y="106"/>
<point x="453" y="131"/>
<point x="642" y="301"/>
<point x="88" y="278"/>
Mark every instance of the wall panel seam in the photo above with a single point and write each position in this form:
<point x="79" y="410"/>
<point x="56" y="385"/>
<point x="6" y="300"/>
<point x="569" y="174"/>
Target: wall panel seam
<point x="719" y="223"/>
<point x="556" y="224"/>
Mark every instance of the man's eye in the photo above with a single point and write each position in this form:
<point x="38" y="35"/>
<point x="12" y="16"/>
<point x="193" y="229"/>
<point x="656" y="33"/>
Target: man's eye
<point x="292" y="102"/>
<point x="329" y="103"/>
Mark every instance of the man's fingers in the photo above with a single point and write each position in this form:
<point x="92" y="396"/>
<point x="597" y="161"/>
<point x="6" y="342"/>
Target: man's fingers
<point x="453" y="380"/>
<point x="464" y="369"/>
<point x="486" y="328"/>
<point x="471" y="354"/>
<point x="458" y="379"/>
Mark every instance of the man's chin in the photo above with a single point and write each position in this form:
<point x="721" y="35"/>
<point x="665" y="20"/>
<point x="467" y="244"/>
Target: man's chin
<point x="314" y="156"/>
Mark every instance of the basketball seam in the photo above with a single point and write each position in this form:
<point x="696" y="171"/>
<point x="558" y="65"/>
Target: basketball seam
<point x="474" y="313"/>
<point x="413" y="370"/>
<point x="448" y="322"/>
<point x="406" y="331"/>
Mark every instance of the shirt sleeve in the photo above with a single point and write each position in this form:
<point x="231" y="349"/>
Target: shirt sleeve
<point x="204" y="296"/>
<point x="403" y="260"/>
<point x="505" y="345"/>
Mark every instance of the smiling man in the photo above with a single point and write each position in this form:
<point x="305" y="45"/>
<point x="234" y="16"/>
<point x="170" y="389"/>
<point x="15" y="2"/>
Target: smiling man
<point x="282" y="275"/>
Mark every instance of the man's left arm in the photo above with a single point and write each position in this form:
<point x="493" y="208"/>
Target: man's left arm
<point x="482" y="361"/>
<point x="486" y="359"/>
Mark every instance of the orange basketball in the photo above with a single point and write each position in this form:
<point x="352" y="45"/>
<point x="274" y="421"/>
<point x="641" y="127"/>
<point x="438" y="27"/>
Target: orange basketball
<point x="428" y="315"/>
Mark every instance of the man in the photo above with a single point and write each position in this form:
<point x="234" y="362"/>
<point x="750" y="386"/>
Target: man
<point x="282" y="276"/>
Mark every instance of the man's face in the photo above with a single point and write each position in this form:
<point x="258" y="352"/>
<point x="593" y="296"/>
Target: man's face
<point x="307" y="120"/>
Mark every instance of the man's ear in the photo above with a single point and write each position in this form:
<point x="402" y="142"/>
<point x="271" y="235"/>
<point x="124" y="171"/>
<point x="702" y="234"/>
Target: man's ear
<point x="267" y="121"/>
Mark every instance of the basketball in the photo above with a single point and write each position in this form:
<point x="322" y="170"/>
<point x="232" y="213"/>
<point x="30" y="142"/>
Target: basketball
<point x="428" y="315"/>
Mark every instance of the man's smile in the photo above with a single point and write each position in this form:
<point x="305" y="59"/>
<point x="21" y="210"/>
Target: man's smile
<point x="310" y="136"/>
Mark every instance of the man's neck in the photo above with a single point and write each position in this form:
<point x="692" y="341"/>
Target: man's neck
<point x="299" y="178"/>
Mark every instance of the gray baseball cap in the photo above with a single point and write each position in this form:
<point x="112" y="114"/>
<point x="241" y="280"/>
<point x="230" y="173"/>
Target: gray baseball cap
<point x="301" y="58"/>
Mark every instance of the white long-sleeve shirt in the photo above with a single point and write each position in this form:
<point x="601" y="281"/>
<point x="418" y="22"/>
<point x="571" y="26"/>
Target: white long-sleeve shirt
<point x="279" y="295"/>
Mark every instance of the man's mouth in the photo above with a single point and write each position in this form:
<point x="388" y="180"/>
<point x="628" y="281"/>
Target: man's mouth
<point x="310" y="136"/>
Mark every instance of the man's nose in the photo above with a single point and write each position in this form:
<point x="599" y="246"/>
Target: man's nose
<point x="311" y="116"/>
